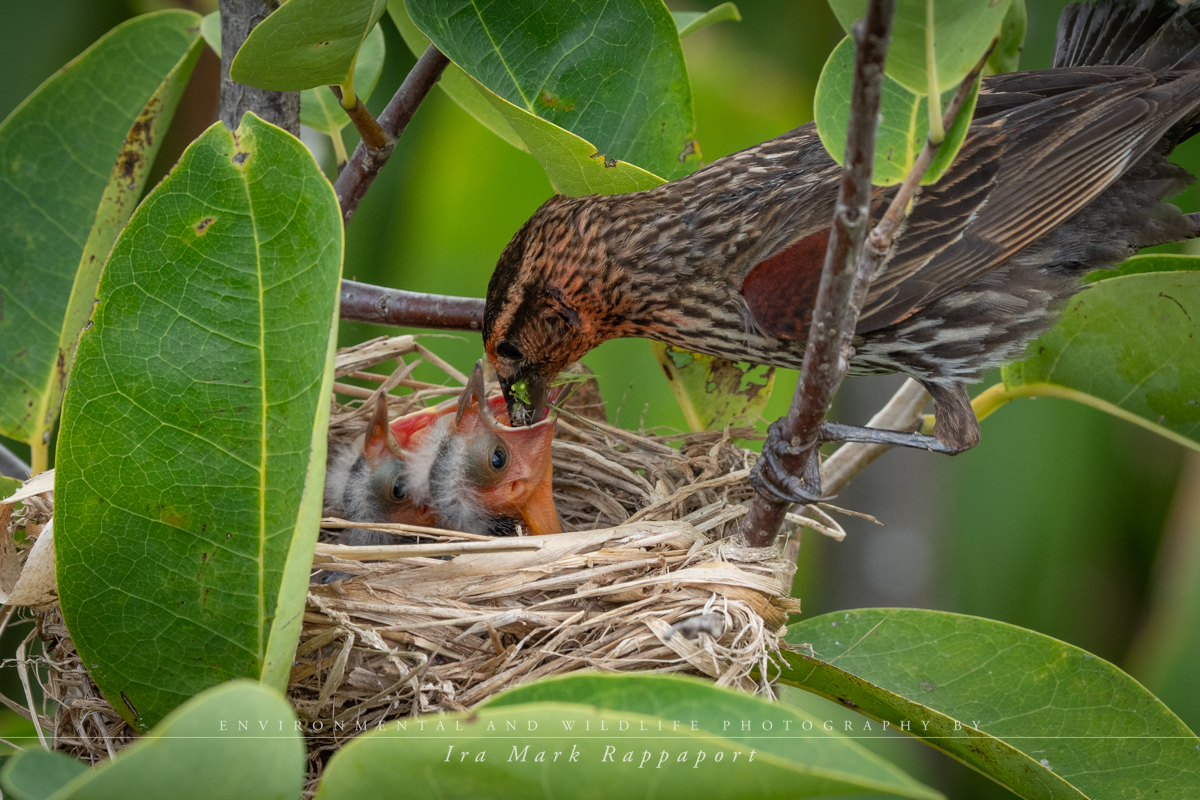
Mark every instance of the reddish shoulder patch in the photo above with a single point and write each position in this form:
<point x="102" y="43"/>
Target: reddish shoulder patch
<point x="781" y="291"/>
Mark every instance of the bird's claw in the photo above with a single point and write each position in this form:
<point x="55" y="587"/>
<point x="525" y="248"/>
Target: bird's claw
<point x="771" y="477"/>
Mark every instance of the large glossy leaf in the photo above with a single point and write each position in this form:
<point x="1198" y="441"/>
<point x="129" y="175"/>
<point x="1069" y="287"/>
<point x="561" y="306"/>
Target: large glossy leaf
<point x="903" y="125"/>
<point x="1041" y="717"/>
<point x="62" y="201"/>
<point x="617" y="736"/>
<point x="192" y="450"/>
<point x="454" y="82"/>
<point x="611" y="73"/>
<point x="234" y="741"/>
<point x="715" y="393"/>
<point x="813" y="749"/>
<point x="962" y="31"/>
<point x="1126" y="345"/>
<point x="306" y="43"/>
<point x="37" y="774"/>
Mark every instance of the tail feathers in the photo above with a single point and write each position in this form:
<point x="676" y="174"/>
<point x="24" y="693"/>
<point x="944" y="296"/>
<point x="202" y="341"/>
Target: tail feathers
<point x="1159" y="35"/>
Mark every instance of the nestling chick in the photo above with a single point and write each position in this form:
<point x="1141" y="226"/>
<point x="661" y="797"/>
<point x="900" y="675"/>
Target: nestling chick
<point x="462" y="471"/>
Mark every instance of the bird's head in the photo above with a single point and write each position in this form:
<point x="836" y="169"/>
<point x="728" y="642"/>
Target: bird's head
<point x="548" y="303"/>
<point x="509" y="468"/>
<point x="380" y="481"/>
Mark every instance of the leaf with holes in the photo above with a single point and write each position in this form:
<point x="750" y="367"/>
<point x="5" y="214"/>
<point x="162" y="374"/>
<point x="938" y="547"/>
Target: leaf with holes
<point x="1037" y="715"/>
<point x="192" y="451"/>
<point x="62" y="201"/>
<point x="306" y="43"/>
<point x="715" y="393"/>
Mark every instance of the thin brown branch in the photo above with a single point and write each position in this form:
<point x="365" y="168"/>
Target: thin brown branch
<point x="363" y="302"/>
<point x="379" y="143"/>
<point x="829" y="346"/>
<point x="825" y="359"/>
<point x="879" y="243"/>
<point x="358" y="174"/>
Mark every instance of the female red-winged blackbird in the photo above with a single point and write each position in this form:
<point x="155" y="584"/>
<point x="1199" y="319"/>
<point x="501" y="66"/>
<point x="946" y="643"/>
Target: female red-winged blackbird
<point x="1064" y="171"/>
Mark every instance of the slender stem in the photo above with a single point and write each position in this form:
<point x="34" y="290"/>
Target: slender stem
<point x="363" y="302"/>
<point x="348" y="88"/>
<point x="360" y="171"/>
<point x="825" y="357"/>
<point x="339" y="148"/>
<point x="937" y="131"/>
<point x="13" y="467"/>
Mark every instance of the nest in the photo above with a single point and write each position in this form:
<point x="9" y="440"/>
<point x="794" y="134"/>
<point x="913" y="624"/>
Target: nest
<point x="649" y="576"/>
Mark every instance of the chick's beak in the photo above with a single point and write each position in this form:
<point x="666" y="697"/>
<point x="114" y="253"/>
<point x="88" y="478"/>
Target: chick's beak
<point x="535" y="489"/>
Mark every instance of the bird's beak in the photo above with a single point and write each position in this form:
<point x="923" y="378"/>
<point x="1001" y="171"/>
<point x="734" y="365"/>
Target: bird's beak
<point x="533" y="388"/>
<point x="380" y="439"/>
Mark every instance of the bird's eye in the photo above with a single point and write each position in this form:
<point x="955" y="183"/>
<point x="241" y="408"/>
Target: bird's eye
<point x="507" y="349"/>
<point x="499" y="458"/>
<point x="399" y="490"/>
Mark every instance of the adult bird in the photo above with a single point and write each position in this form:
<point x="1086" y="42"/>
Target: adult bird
<point x="1063" y="171"/>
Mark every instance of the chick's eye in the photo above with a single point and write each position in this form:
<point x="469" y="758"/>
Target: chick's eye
<point x="499" y="458"/>
<point x="399" y="490"/>
<point x="507" y="349"/>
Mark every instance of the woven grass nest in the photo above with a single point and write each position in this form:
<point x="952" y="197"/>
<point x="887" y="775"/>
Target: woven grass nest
<point x="649" y="576"/>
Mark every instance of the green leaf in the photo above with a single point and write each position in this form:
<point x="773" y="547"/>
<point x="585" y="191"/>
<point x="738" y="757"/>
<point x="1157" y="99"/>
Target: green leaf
<point x="456" y="83"/>
<point x="962" y="31"/>
<point x="903" y="127"/>
<point x="611" y="73"/>
<point x="585" y="717"/>
<point x="715" y="393"/>
<point x="210" y="31"/>
<point x="319" y="107"/>
<point x="817" y="752"/>
<point x="235" y="741"/>
<point x="1126" y="345"/>
<point x="1039" y="716"/>
<point x="1007" y="55"/>
<point x="36" y="774"/>
<point x="192" y="449"/>
<point x="574" y="165"/>
<point x="62" y="201"/>
<point x="306" y="43"/>
<point x="689" y="22"/>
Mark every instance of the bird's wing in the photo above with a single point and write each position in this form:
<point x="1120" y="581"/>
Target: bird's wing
<point x="1042" y="145"/>
<point x="1021" y="173"/>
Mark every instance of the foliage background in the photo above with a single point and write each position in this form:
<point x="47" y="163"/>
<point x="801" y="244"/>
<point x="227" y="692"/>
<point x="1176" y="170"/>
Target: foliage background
<point x="1055" y="522"/>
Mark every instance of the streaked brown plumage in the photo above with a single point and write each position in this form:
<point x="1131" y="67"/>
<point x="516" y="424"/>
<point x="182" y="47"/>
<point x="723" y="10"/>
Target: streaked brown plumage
<point x="1064" y="171"/>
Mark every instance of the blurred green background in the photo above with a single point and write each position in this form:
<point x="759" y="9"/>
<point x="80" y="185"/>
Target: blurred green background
<point x="1063" y="520"/>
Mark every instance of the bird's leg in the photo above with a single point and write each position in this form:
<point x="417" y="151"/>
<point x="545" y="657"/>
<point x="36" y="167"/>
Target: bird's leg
<point x="773" y="476"/>
<point x="956" y="429"/>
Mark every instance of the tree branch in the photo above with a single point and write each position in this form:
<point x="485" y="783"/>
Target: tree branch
<point x="238" y="18"/>
<point x="379" y="143"/>
<point x="825" y="358"/>
<point x="363" y="302"/>
<point x="358" y="174"/>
